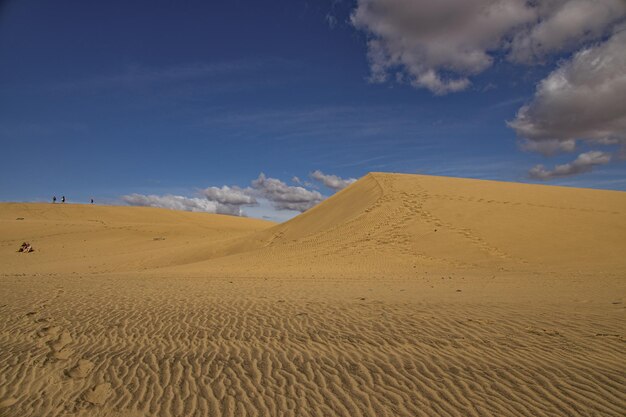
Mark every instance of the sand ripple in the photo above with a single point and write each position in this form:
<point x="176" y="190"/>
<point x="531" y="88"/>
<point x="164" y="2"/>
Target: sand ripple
<point x="194" y="350"/>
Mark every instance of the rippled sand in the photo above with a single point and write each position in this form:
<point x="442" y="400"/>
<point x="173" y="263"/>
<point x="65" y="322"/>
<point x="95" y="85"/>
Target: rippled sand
<point x="514" y="305"/>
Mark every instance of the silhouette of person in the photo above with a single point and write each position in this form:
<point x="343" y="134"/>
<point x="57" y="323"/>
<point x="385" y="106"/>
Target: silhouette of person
<point x="63" y="199"/>
<point x="54" y="199"/>
<point x="92" y="201"/>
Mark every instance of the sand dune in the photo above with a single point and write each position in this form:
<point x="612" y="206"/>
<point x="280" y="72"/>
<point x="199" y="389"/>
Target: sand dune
<point x="72" y="238"/>
<point x="402" y="295"/>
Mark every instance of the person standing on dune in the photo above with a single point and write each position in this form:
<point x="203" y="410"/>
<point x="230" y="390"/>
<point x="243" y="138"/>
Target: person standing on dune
<point x="54" y="199"/>
<point x="63" y="199"/>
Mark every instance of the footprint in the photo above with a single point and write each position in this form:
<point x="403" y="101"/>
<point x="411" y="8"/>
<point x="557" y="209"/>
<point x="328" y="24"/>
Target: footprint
<point x="81" y="370"/>
<point x="50" y="331"/>
<point x="63" y="354"/>
<point x="99" y="394"/>
<point x="8" y="402"/>
<point x="63" y="340"/>
<point x="608" y="335"/>
<point x="58" y="347"/>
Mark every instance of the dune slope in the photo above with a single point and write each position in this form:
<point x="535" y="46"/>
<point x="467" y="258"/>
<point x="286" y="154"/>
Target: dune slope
<point x="397" y="224"/>
<point x="72" y="238"/>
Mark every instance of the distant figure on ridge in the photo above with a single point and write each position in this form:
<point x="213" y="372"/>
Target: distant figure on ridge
<point x="92" y="201"/>
<point x="63" y="199"/>
<point x="54" y="199"/>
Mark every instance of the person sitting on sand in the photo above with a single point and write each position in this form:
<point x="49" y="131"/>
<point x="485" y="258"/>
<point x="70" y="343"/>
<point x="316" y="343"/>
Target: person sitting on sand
<point x="26" y="248"/>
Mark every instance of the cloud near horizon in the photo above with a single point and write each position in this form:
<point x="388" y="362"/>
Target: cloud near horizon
<point x="333" y="182"/>
<point x="232" y="199"/>
<point x="283" y="196"/>
<point x="439" y="45"/>
<point x="583" y="163"/>
<point x="177" y="202"/>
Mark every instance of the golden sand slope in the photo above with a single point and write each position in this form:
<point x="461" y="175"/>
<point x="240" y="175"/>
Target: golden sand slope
<point x="72" y="238"/>
<point x="402" y="295"/>
<point x="401" y="224"/>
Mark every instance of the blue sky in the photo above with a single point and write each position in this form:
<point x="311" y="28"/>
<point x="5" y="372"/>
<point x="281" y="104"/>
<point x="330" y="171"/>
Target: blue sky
<point x="112" y="98"/>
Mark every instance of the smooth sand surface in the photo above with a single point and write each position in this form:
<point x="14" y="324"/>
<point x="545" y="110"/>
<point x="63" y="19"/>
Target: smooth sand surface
<point x="402" y="295"/>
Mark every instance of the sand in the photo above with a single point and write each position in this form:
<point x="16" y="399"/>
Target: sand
<point x="402" y="295"/>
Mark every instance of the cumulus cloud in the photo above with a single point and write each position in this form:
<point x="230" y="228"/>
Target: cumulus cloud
<point x="583" y="163"/>
<point x="582" y="100"/>
<point x="283" y="196"/>
<point x="438" y="45"/>
<point x="232" y="199"/>
<point x="225" y="200"/>
<point x="562" y="25"/>
<point x="229" y="195"/>
<point x="177" y="202"/>
<point x="424" y="38"/>
<point x="333" y="182"/>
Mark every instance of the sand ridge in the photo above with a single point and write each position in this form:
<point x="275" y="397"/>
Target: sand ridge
<point x="392" y="224"/>
<point x="73" y="238"/>
<point x="402" y="295"/>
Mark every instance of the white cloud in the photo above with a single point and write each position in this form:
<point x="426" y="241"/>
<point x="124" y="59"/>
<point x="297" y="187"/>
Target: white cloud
<point x="232" y="199"/>
<point x="562" y="25"/>
<point x="229" y="195"/>
<point x="333" y="182"/>
<point x="177" y="202"/>
<point x="424" y="38"/>
<point x="438" y="45"/>
<point x="283" y="196"/>
<point x="225" y="200"/>
<point x="582" y="100"/>
<point x="583" y="163"/>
